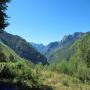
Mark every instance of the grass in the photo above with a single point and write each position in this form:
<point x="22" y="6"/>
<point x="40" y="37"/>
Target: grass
<point x="61" y="81"/>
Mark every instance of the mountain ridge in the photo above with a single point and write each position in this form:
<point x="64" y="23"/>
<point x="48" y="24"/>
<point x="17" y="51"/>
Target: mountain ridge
<point x="57" y="45"/>
<point x="22" y="48"/>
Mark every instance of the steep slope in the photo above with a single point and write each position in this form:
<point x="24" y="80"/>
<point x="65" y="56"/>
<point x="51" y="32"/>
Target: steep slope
<point x="58" y="50"/>
<point x="68" y="39"/>
<point x="40" y="47"/>
<point x="63" y="52"/>
<point x="22" y="48"/>
<point x="78" y="62"/>
<point x="17" y="73"/>
<point x="50" y="48"/>
<point x="82" y="50"/>
<point x="7" y="54"/>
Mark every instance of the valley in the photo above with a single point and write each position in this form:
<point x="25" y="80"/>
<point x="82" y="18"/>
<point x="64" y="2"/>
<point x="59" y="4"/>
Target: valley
<point x="60" y="65"/>
<point x="70" y="72"/>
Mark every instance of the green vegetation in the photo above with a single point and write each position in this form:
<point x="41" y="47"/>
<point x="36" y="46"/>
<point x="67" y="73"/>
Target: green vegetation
<point x="71" y="74"/>
<point x="77" y="67"/>
<point x="62" y="50"/>
<point x="18" y="71"/>
<point x="3" y="15"/>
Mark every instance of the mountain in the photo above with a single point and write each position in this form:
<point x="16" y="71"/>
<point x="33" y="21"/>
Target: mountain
<point x="69" y="39"/>
<point x="45" y="50"/>
<point x="17" y="73"/>
<point x="7" y="54"/>
<point x="40" y="47"/>
<point x="22" y="48"/>
<point x="50" y="48"/>
<point x="75" y="68"/>
<point x="74" y="60"/>
<point x="82" y="50"/>
<point x="61" y="52"/>
<point x="58" y="50"/>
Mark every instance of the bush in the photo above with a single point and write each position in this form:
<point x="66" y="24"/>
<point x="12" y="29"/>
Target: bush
<point x="65" y="82"/>
<point x="2" y="57"/>
<point x="7" y="72"/>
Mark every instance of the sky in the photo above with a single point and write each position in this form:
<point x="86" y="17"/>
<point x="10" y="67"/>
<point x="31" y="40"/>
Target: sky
<point x="45" y="21"/>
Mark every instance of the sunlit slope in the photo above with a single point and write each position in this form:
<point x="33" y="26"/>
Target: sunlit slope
<point x="66" y="51"/>
<point x="7" y="54"/>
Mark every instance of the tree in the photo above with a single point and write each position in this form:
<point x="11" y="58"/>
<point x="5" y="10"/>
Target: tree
<point x="3" y="15"/>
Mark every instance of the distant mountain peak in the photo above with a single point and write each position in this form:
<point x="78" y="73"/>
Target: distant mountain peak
<point x="68" y="39"/>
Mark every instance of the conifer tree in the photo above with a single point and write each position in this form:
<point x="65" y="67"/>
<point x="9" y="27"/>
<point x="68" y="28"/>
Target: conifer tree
<point x="3" y="15"/>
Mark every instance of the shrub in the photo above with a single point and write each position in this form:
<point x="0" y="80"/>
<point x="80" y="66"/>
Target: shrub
<point x="7" y="72"/>
<point x="2" y="57"/>
<point x="65" y="82"/>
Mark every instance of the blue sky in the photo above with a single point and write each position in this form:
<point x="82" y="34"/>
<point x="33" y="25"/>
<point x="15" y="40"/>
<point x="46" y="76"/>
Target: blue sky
<point x="44" y="21"/>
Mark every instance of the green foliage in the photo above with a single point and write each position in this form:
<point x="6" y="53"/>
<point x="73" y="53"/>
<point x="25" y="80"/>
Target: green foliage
<point x="72" y="68"/>
<point x="16" y="69"/>
<point x="3" y="15"/>
<point x="78" y="63"/>
<point x="8" y="71"/>
<point x="65" y="50"/>
<point x="20" y="73"/>
<point x="65" y="82"/>
<point x="61" y="67"/>
<point x="76" y="70"/>
<point x="2" y="57"/>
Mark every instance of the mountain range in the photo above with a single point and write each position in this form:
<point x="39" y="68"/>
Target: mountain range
<point x="39" y="53"/>
<point x="57" y="50"/>
<point x="22" y="48"/>
<point x="68" y="59"/>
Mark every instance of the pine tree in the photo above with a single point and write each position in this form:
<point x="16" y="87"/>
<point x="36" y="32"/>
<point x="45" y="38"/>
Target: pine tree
<point x="3" y="15"/>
